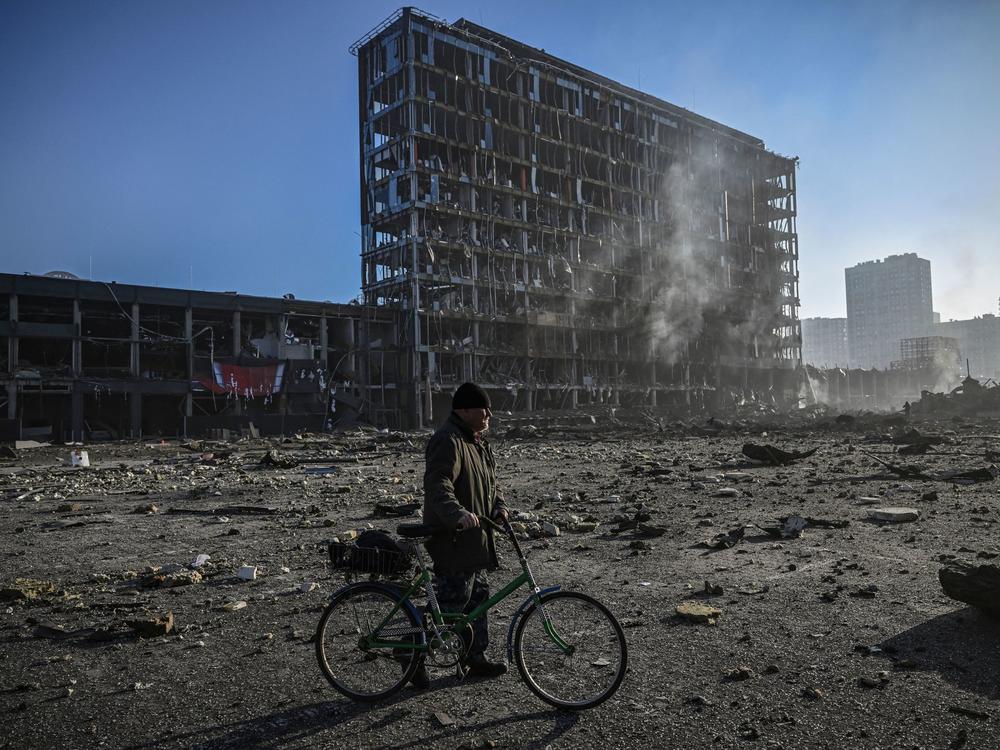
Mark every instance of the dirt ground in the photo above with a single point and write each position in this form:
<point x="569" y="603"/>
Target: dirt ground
<point x="845" y="635"/>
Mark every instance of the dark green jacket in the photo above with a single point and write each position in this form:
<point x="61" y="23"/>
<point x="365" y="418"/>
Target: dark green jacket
<point x="460" y="475"/>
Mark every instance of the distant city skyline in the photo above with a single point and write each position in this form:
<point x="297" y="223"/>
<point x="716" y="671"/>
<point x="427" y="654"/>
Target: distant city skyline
<point x="216" y="143"/>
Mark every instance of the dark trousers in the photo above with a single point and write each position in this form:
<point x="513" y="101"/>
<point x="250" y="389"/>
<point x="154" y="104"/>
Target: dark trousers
<point x="462" y="593"/>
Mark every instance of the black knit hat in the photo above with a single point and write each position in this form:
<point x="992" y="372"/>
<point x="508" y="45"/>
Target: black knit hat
<point x="470" y="396"/>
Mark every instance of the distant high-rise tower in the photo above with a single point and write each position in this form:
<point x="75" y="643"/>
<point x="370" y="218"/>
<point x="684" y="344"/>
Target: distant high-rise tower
<point x="887" y="301"/>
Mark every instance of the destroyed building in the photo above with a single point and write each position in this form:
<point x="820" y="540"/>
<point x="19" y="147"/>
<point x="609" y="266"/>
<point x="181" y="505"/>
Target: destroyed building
<point x="930" y="351"/>
<point x="83" y="360"/>
<point x="979" y="340"/>
<point x="564" y="239"/>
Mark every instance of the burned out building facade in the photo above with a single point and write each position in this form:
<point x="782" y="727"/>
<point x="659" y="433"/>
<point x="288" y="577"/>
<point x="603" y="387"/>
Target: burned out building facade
<point x="83" y="360"/>
<point x="561" y="238"/>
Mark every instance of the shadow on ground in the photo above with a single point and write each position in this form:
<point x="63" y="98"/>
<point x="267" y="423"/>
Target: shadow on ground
<point x="961" y="646"/>
<point x="295" y="725"/>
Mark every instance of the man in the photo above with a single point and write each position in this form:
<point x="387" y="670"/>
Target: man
<point x="460" y="486"/>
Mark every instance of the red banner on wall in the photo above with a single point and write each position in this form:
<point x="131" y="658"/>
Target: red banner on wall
<point x="245" y="379"/>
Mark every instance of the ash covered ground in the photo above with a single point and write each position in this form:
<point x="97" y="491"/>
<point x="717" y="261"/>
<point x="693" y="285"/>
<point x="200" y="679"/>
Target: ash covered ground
<point x="838" y="637"/>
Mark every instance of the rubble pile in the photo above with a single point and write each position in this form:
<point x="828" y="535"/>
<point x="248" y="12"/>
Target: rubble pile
<point x="971" y="398"/>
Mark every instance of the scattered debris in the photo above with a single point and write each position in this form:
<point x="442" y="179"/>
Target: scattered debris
<point x="970" y="712"/>
<point x="386" y="510"/>
<point x="28" y="589"/>
<point x="773" y="456"/>
<point x="226" y="510"/>
<point x="792" y="527"/>
<point x="971" y="476"/>
<point x="880" y="680"/>
<point x="276" y="460"/>
<point x="978" y="586"/>
<point x="726" y="539"/>
<point x="443" y="719"/>
<point x="698" y="612"/>
<point x="894" y="515"/>
<point x="169" y="576"/>
<point x="153" y="628"/>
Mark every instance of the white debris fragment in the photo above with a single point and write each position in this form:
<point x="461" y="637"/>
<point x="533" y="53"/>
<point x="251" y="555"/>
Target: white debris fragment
<point x="894" y="515"/>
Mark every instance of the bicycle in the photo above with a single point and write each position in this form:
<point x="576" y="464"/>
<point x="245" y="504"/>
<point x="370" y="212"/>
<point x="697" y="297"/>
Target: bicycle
<point x="568" y="648"/>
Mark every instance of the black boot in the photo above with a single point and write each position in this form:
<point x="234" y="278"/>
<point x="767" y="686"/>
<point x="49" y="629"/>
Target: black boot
<point x="479" y="666"/>
<point x="421" y="680"/>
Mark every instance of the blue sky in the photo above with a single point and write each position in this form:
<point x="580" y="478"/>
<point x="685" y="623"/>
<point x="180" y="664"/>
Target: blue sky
<point x="217" y="141"/>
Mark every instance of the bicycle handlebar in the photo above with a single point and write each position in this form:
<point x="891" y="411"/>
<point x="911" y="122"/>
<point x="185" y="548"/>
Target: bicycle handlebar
<point x="421" y="530"/>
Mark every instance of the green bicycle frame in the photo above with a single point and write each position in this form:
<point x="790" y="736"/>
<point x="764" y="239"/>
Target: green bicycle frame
<point x="461" y="621"/>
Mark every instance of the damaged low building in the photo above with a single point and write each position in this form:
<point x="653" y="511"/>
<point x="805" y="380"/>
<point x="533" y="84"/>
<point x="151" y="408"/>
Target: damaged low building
<point x="564" y="239"/>
<point x="82" y="360"/>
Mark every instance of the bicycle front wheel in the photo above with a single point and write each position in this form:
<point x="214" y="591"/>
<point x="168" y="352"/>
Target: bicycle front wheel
<point x="570" y="651"/>
<point x="360" y="671"/>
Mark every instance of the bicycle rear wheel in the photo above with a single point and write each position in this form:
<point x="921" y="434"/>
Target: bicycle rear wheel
<point x="570" y="651"/>
<point x="360" y="672"/>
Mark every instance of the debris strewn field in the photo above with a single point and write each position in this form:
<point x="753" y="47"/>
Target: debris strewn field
<point x="166" y="595"/>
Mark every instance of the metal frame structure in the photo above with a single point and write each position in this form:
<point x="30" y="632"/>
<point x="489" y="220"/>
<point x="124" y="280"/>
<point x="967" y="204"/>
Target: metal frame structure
<point x="563" y="239"/>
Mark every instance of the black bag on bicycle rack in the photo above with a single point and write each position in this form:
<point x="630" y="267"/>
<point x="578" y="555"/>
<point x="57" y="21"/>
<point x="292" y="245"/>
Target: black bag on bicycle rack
<point x="374" y="552"/>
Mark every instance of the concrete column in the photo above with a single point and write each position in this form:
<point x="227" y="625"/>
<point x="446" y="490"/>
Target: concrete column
<point x="77" y="343"/>
<point x="135" y="413"/>
<point x="352" y="348"/>
<point x="12" y="348"/>
<point x="76" y="420"/>
<point x="12" y="400"/>
<point x="238" y="348"/>
<point x="134" y="345"/>
<point x="475" y="347"/>
<point x="189" y="337"/>
<point x="238" y="334"/>
<point x="324" y="341"/>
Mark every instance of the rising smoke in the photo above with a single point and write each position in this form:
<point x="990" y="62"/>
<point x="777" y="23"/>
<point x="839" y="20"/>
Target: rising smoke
<point x="689" y="284"/>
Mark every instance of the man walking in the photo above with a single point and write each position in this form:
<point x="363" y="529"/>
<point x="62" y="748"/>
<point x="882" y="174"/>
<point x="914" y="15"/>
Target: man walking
<point x="459" y="486"/>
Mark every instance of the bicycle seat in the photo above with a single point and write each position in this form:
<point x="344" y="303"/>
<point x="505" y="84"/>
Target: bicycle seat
<point x="417" y="530"/>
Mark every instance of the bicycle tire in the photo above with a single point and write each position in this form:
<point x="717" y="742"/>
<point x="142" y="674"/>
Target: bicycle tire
<point x="549" y="673"/>
<point x="340" y="627"/>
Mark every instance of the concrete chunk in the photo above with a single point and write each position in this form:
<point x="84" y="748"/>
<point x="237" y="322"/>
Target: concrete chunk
<point x="894" y="515"/>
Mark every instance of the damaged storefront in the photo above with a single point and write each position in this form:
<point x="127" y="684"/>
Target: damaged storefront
<point x="88" y="360"/>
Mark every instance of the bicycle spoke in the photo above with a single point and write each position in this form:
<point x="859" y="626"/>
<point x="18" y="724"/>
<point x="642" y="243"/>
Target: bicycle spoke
<point x="370" y="672"/>
<point x="591" y="671"/>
